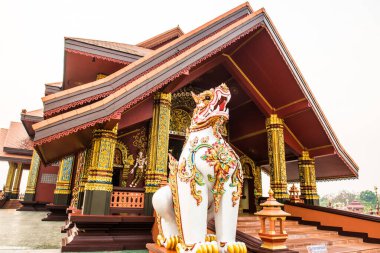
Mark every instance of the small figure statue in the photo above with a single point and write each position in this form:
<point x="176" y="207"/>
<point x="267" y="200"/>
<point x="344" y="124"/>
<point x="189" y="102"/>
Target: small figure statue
<point x="140" y="164"/>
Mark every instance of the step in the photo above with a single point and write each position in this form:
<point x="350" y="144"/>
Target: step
<point x="352" y="248"/>
<point x="333" y="240"/>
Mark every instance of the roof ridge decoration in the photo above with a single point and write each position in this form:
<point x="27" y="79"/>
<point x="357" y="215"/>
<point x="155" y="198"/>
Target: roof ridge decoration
<point x="64" y="100"/>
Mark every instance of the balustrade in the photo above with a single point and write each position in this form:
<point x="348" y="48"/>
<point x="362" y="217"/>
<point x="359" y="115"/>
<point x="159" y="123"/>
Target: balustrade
<point x="127" y="200"/>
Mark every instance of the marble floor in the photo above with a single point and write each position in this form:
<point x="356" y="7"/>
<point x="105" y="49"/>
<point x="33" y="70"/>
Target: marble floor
<point x="23" y="232"/>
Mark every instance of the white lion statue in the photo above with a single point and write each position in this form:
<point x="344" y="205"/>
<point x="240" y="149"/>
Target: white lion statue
<point x="205" y="183"/>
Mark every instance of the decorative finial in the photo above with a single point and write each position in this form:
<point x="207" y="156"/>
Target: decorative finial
<point x="270" y="192"/>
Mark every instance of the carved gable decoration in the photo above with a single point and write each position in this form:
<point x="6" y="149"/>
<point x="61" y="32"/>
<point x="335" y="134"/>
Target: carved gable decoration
<point x="180" y="120"/>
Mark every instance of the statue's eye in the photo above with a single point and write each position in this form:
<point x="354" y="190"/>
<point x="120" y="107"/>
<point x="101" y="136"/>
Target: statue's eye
<point x="207" y="98"/>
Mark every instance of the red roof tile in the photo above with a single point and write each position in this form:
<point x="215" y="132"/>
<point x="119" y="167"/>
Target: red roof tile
<point x="17" y="137"/>
<point x="122" y="47"/>
<point x="4" y="156"/>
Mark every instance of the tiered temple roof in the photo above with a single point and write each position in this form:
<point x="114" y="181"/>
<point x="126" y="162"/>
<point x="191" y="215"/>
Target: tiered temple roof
<point x="247" y="46"/>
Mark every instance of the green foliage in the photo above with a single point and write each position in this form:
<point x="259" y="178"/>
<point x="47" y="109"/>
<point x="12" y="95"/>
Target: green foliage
<point x="345" y="197"/>
<point x="367" y="199"/>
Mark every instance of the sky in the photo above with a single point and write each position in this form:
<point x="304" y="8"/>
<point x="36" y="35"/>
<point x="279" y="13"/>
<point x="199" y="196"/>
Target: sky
<point x="334" y="43"/>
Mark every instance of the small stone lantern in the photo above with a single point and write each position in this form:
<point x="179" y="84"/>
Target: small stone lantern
<point x="272" y="238"/>
<point x="294" y="195"/>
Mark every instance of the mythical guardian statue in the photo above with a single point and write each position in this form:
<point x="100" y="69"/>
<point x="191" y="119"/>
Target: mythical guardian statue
<point x="205" y="183"/>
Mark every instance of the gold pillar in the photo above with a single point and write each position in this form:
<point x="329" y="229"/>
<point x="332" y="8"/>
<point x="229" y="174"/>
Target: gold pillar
<point x="32" y="178"/>
<point x="62" y="190"/>
<point x="258" y="186"/>
<point x="258" y="182"/>
<point x="17" y="181"/>
<point x="78" y="175"/>
<point x="83" y="179"/>
<point x="158" y="143"/>
<point x="156" y="174"/>
<point x="276" y="153"/>
<point x="9" y="183"/>
<point x="306" y="168"/>
<point x="98" y="189"/>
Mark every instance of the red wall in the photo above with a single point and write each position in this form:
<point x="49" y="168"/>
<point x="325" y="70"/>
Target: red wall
<point x="45" y="192"/>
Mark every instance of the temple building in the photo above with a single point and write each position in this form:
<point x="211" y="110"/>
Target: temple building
<point x="99" y="146"/>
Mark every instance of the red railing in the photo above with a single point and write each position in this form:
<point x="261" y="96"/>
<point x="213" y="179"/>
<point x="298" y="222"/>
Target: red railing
<point x="127" y="200"/>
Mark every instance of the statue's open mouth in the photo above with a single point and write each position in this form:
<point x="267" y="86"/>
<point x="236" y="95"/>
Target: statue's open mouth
<point x="220" y="106"/>
<point x="222" y="103"/>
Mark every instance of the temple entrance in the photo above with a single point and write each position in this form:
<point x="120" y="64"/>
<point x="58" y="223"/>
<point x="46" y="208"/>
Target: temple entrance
<point x="175" y="145"/>
<point x="116" y="176"/>
<point x="248" y="199"/>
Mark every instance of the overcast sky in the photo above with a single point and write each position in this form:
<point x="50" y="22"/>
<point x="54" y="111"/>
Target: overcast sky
<point x="334" y="43"/>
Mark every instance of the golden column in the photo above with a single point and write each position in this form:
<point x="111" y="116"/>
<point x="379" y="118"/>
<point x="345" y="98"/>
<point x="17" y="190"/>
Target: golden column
<point x="98" y="189"/>
<point x="9" y="183"/>
<point x="276" y="153"/>
<point x="306" y="168"/>
<point x="32" y="178"/>
<point x="83" y="179"/>
<point x="62" y="190"/>
<point x="78" y="176"/>
<point x="258" y="186"/>
<point x="17" y="181"/>
<point x="158" y="148"/>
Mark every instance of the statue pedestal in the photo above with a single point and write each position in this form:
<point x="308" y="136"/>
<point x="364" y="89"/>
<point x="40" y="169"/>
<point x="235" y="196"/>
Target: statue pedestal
<point x="154" y="248"/>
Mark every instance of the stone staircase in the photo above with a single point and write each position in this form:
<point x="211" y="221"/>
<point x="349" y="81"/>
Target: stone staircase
<point x="301" y="236"/>
<point x="12" y="204"/>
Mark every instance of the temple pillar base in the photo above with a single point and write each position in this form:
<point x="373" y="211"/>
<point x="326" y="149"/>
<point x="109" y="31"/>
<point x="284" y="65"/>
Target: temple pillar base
<point x="80" y="200"/>
<point x="96" y="202"/>
<point x="312" y="202"/>
<point x="32" y="206"/>
<point x="13" y="196"/>
<point x="7" y="195"/>
<point x="108" y="232"/>
<point x="62" y="199"/>
<point x="57" y="212"/>
<point x="29" y="197"/>
<point x="148" y="205"/>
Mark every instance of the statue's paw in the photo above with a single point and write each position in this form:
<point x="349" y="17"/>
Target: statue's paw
<point x="206" y="247"/>
<point x="201" y="247"/>
<point x="234" y="247"/>
<point x="210" y="238"/>
<point x="169" y="243"/>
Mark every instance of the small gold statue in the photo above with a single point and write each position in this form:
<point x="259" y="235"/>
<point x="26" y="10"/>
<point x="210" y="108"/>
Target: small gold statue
<point x="140" y="164"/>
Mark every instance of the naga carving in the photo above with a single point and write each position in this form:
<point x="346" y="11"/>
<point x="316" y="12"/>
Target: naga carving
<point x="205" y="183"/>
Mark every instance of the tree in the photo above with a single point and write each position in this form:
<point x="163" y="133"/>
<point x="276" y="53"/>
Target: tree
<point x="344" y="197"/>
<point x="368" y="197"/>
